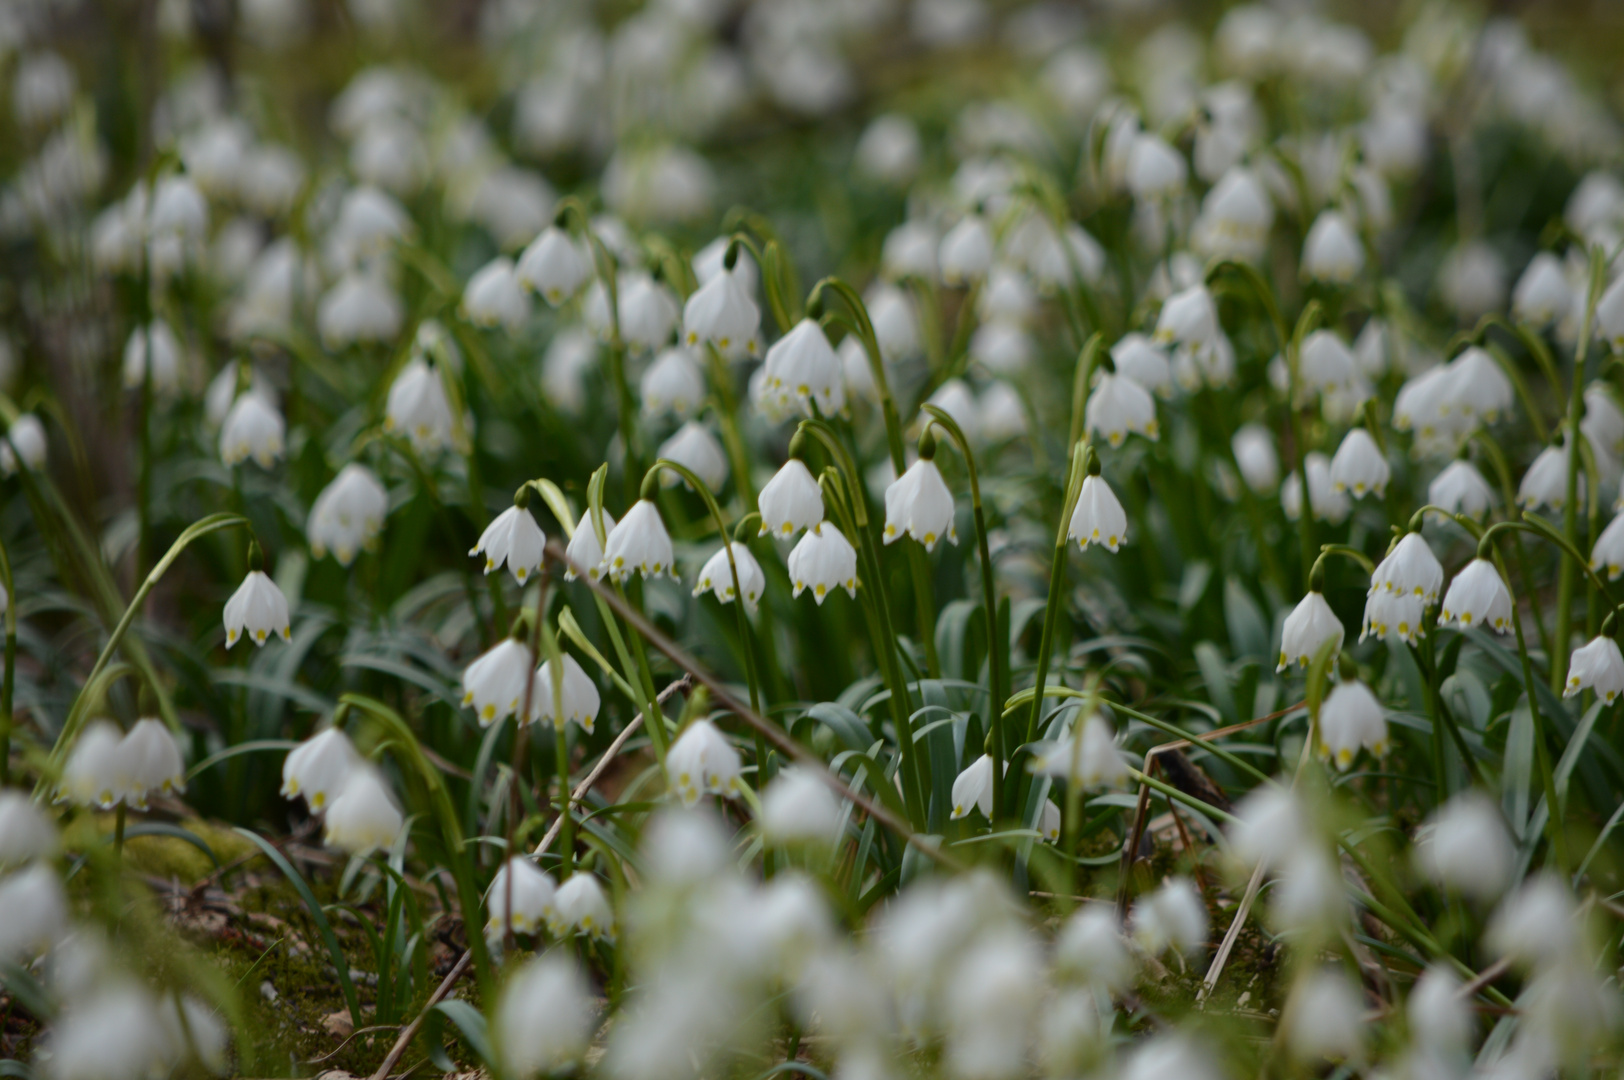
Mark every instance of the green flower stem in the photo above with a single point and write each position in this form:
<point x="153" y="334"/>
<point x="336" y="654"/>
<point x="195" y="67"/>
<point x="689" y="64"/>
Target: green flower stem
<point x="1570" y="509"/>
<point x="566" y="815"/>
<point x="989" y="599"/>
<point x="1508" y="491"/>
<point x="7" y="686"/>
<point x="1086" y="362"/>
<point x="1175" y="794"/>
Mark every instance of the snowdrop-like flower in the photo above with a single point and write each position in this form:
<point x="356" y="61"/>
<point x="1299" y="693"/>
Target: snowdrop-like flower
<point x="1608" y="551"/>
<point x="1390" y="615"/>
<point x="1118" y="406"/>
<point x="543" y="1021"/>
<point x="1332" y="252"/>
<point x="1477" y="597"/>
<point x="889" y="149"/>
<point x="639" y="542"/>
<point x="919" y="504"/>
<point x="804" y="366"/>
<point x="1535" y="926"/>
<point x="1001" y="413"/>
<point x="1172" y="917"/>
<point x="1188" y="318"/>
<point x="1461" y="489"/>
<point x="1136" y="358"/>
<point x="1327" y="364"/>
<point x="648" y="311"/>
<point x="580" y="906"/>
<point x="318" y="768"/>
<point x="1472" y="280"/>
<point x="966" y="251"/>
<point x="364" y="817"/>
<point x="1465" y="847"/>
<point x="348" y="514"/>
<point x="149" y="760"/>
<point x="1098" y="517"/>
<point x="1546" y="481"/>
<point x="824" y="560"/>
<point x="1440" y="1019"/>
<point x="1049" y="822"/>
<point x="494" y="297"/>
<point x="1155" y="169"/>
<point x="1093" y="762"/>
<point x="25" y="832"/>
<point x="672" y="384"/>
<point x="91" y="775"/>
<point x="418" y="408"/>
<point x="532" y="890"/>
<point x="1359" y="466"/>
<point x="973" y="788"/>
<point x="361" y="308"/>
<point x="1325" y="1017"/>
<point x="721" y="313"/>
<point x="1309" y="626"/>
<point x="584" y="550"/>
<point x="494" y="683"/>
<point x="555" y="265"/>
<point x="1235" y="219"/>
<point x="989" y="998"/>
<point x="1350" y="718"/>
<point x="257" y="610"/>
<point x="694" y="447"/>
<point x="910" y="251"/>
<point x="515" y="539"/>
<point x="36" y="913"/>
<point x="1603" y="422"/>
<point x="1090" y="948"/>
<point x="25" y="441"/>
<point x="166" y="355"/>
<point x="1269" y="827"/>
<point x="1256" y="458"/>
<point x="1410" y="569"/>
<point x="717" y="576"/>
<point x="253" y="428"/>
<point x="799" y="808"/>
<point x="701" y="762"/>
<point x="1598" y="666"/>
<point x="1327" y="502"/>
<point x="1002" y="347"/>
<point x="1478" y="388"/>
<point x="580" y="695"/>
<point x="1542" y="293"/>
<point x="791" y="501"/>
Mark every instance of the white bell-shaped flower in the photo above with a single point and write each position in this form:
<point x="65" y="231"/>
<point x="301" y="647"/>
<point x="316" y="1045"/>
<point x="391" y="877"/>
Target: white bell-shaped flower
<point x="1172" y="917"/>
<point x="1598" y="666"/>
<point x="672" y="385"/>
<point x="1309" y="626"/>
<point x="417" y="407"/>
<point x="889" y="150"/>
<point x="584" y="550"/>
<point x="1098" y="517"/>
<point x="36" y="915"/>
<point x="26" y="833"/>
<point x="910" y="251"/>
<point x="149" y="761"/>
<point x="364" y="817"/>
<point x="966" y="251"/>
<point x="1137" y="359"/>
<point x="1325" y="1017"/>
<point x="1440" y="1017"/>
<point x="573" y="351"/>
<point x="166" y="357"/>
<point x="1256" y="457"/>
<point x="1269" y="827"/>
<point x="648" y="311"/>
<point x="1461" y="489"/>
<point x="1603" y="421"/>
<point x="91" y="775"/>
<point x="722" y="314"/>
<point x="711" y="260"/>
<point x="1542" y="293"/>
<point x="1608" y="551"/>
<point x="348" y="514"/>
<point x="803" y="366"/>
<point x="798" y="808"/>
<point x="543" y="1021"/>
<point x="1155" y="170"/>
<point x="555" y="265"/>
<point x="25" y="441"/>
<point x="791" y="501"/>
<point x="1410" y="569"/>
<point x="1358" y="466"/>
<point x="532" y="891"/>
<point x="955" y="398"/>
<point x="494" y="683"/>
<point x="1472" y="280"/>
<point x="1235" y="218"/>
<point x="1327" y="502"/>
<point x="1090" y="948"/>
<point x="972" y="789"/>
<point x="703" y="762"/>
<point x="253" y="428"/>
<point x="514" y="539"/>
<point x="580" y="906"/>
<point x="1120" y="405"/>
<point x="1001" y="414"/>
<point x="361" y="308"/>
<point x="1536" y="926"/>
<point x="694" y="447"/>
<point x="1546" y="481"/>
<point x="318" y="768"/>
<point x="257" y="610"/>
<point x="1464" y="847"/>
<point x="716" y="576"/>
<point x="1188" y="318"/>
<point x="1326" y="365"/>
<point x="1479" y="389"/>
<point x="1393" y="615"/>
<point x="638" y="543"/>
<point x="825" y="560"/>
<point x="1088" y="757"/>
<point x="580" y="695"/>
<point x="1351" y="717"/>
<point x="1332" y="251"/>
<point x="918" y="504"/>
<point x="1477" y="597"/>
<point x="494" y="297"/>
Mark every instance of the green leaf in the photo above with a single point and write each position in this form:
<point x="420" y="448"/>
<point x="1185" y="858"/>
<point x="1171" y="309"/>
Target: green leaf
<point x="471" y="1022"/>
<point x="174" y="832"/>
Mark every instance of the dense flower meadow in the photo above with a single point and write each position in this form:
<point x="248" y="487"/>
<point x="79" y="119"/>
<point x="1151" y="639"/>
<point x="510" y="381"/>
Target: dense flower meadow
<point x="864" y="539"/>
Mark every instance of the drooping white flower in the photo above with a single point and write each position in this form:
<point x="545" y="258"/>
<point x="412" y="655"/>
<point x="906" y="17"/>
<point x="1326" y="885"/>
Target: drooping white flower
<point x="702" y="762"/>
<point x="166" y="357"/>
<point x="1089" y="758"/>
<point x="1172" y="917"/>
<point x="1350" y="718"/>
<point x="514" y="539"/>
<point x="1326" y="364"/>
<point x="253" y="428"/>
<point x="25" y="832"/>
<point x="361" y="308"/>
<point x="716" y="576"/>
<point x="1256" y="457"/>
<point x="803" y="365"/>
<point x="648" y="310"/>
<point x="318" y="768"/>
<point x="1155" y="169"/>
<point x="1546" y="481"/>
<point x="1269" y="827"/>
<point x="1536" y="926"/>
<point x="149" y="760"/>
<point x="1327" y="502"/>
<point x="584" y="549"/>
<point x="258" y="610"/>
<point x="1002" y="347"/>
<point x="1472" y="280"/>
<point x="1542" y="293"/>
<point x="722" y="314"/>
<point x="417" y="407"/>
<point x="1235" y="218"/>
<point x="824" y="560"/>
<point x="25" y="441"/>
<point x="1098" y="517"/>
<point x="798" y="808"/>
<point x="563" y="365"/>
<point x="966" y="251"/>
<point x="1464" y="846"/>
<point x="1390" y="615"/>
<point x="580" y="906"/>
<point x="1603" y="421"/>
<point x="364" y="817"/>
<point x="672" y="384"/>
<point x="543" y="1020"/>
<point x="494" y="683"/>
<point x="1440" y="1018"/>
<point x="91" y="775"/>
<point x="1325" y="1017"/>
<point x="1001" y="413"/>
<point x="532" y="890"/>
<point x="989" y="999"/>
<point x="494" y="297"/>
<point x="1332" y="252"/>
<point x="1461" y="489"/>
<point x="1188" y="318"/>
<point x="1479" y="388"/>
<point x="1309" y="626"/>
<point x="1120" y="405"/>
<point x="918" y="504"/>
<point x="580" y="695"/>
<point x="973" y="788"/>
<point x="639" y="542"/>
<point x="1090" y="948"/>
<point x="790" y="501"/>
<point x="694" y="447"/>
<point x="555" y="265"/>
<point x="116" y="1032"/>
<point x="1598" y="666"/>
<point x="889" y="149"/>
<point x="1137" y="359"/>
<point x="348" y="514"/>
<point x="910" y="251"/>
<point x="1477" y="597"/>
<point x="1410" y="569"/>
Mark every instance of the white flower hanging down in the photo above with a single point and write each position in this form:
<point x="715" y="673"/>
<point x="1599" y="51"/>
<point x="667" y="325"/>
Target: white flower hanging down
<point x="638" y="543"/>
<point x="1461" y="489"/>
<point x="1328" y="504"/>
<point x="966" y="251"/>
<point x="802" y="366"/>
<point x="823" y="561"/>
<point x="1351" y="717"/>
<point x="580" y="906"/>
<point x="1546" y="481"/>
<point x="1098" y="517"/>
<point x="1598" y="666"/>
<point x="1332" y="252"/>
<point x="494" y="683"/>
<point x="672" y="385"/>
<point x="703" y="762"/>
<point x="253" y="429"/>
<point x="799" y="808"/>
<point x="1410" y="569"/>
<point x="1309" y="626"/>
<point x="1358" y="466"/>
<point x="584" y="549"/>
<point x="91" y="775"/>
<point x="716" y="576"/>
<point x="149" y="761"/>
<point x="514" y="539"/>
<point x="532" y="891"/>
<point x="543" y="1022"/>
<point x="555" y="265"/>
<point x="972" y="789"/>
<point x="318" y="768"/>
<point x="1120" y="406"/>
<point x="1256" y="457"/>
<point x="918" y="504"/>
<point x="348" y="514"/>
<point x="696" y="449"/>
<point x="722" y="314"/>
<point x="257" y="610"/>
<point x="364" y="817"/>
<point x="1477" y="597"/>
<point x="580" y="695"/>
<point x="791" y="501"/>
<point x="1092" y="762"/>
<point x="417" y="407"/>
<point x="494" y="297"/>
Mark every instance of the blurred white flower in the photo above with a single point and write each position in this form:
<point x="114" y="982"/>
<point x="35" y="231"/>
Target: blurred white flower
<point x="580" y="906"/>
<point x="417" y="407"/>
<point x="543" y="1020"/>
<point x="1351" y="717"/>
<point x="364" y="817"/>
<point x="494" y="683"/>
<point x="673" y="384"/>
<point x="556" y="265"/>
<point x="512" y="538"/>
<point x="1461" y="489"/>
<point x="1088" y="757"/>
<point x="25" y="832"/>
<point x="348" y="514"/>
<point x="1325" y="1016"/>
<point x="91" y="775"/>
<point x="1120" y="405"/>
<point x="1172" y="917"/>
<point x="149" y="760"/>
<point x="166" y="357"/>
<point x="257" y="610"/>
<point x="1306" y="630"/>
<point x="639" y="542"/>
<point x="531" y="889"/>
<point x="716" y="576"/>
<point x="494" y="297"/>
<point x="318" y="768"/>
<point x="798" y="807"/>
<point x="703" y="762"/>
<point x="695" y="448"/>
<point x="253" y="428"/>
<point x="1359" y="467"/>
<point x="1465" y="847"/>
<point x="966" y="251"/>
<point x="1332" y="252"/>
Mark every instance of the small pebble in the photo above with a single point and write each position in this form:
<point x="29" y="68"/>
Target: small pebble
<point x="267" y="991"/>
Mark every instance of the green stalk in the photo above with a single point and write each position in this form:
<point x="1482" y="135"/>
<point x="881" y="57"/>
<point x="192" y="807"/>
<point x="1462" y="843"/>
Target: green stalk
<point x="1570" y="510"/>
<point x="566" y="842"/>
<point x="7" y="686"/>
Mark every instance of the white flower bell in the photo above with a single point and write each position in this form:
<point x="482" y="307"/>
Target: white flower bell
<point x="1327" y="502"/>
<point x="1542" y="294"/>
<point x="1188" y="318"/>
<point x="360" y="308"/>
<point x="638" y="543"/>
<point x="318" y="768"/>
<point x="716" y="576"/>
<point x="91" y="775"/>
<point x="803" y="366"/>
<point x="348" y="514"/>
<point x="701" y="762"/>
<point x="1546" y="481"/>
<point x="257" y="610"/>
<point x="166" y="357"/>
<point x="1325" y="1017"/>
<point x="149" y="760"/>
<point x="514" y="539"/>
<point x="918" y="504"/>
<point x="791" y="501"/>
<point x="966" y="251"/>
<point x="494" y="684"/>
<point x="364" y="817"/>
<point x="825" y="560"/>
<point x="1410" y="569"/>
<point x="1136" y="358"/>
<point x="26" y="833"/>
<point x="532" y="890"/>
<point x="36" y="912"/>
<point x="25" y="441"/>
<point x="1309" y="626"/>
<point x="1598" y="666"/>
<point x="580" y="906"/>
<point x="1465" y="847"/>
<point x="579" y="693"/>
<point x="253" y="428"/>
<point x="1172" y="917"/>
<point x="798" y="808"/>
<point x="555" y="265"/>
<point x="722" y="314"/>
<point x="1477" y="597"/>
<point x="494" y="297"/>
<point x="1393" y="615"/>
<point x="1351" y="717"/>
<point x="1359" y="467"/>
<point x="543" y="1020"/>
<point x="1088" y="757"/>
<point x="694" y="447"/>
<point x="1332" y="252"/>
<point x="1120" y="405"/>
<point x="1098" y="517"/>
<point x="972" y="789"/>
<point x="584" y="550"/>
<point x="417" y="407"/>
<point x="672" y="385"/>
<point x="1461" y="489"/>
